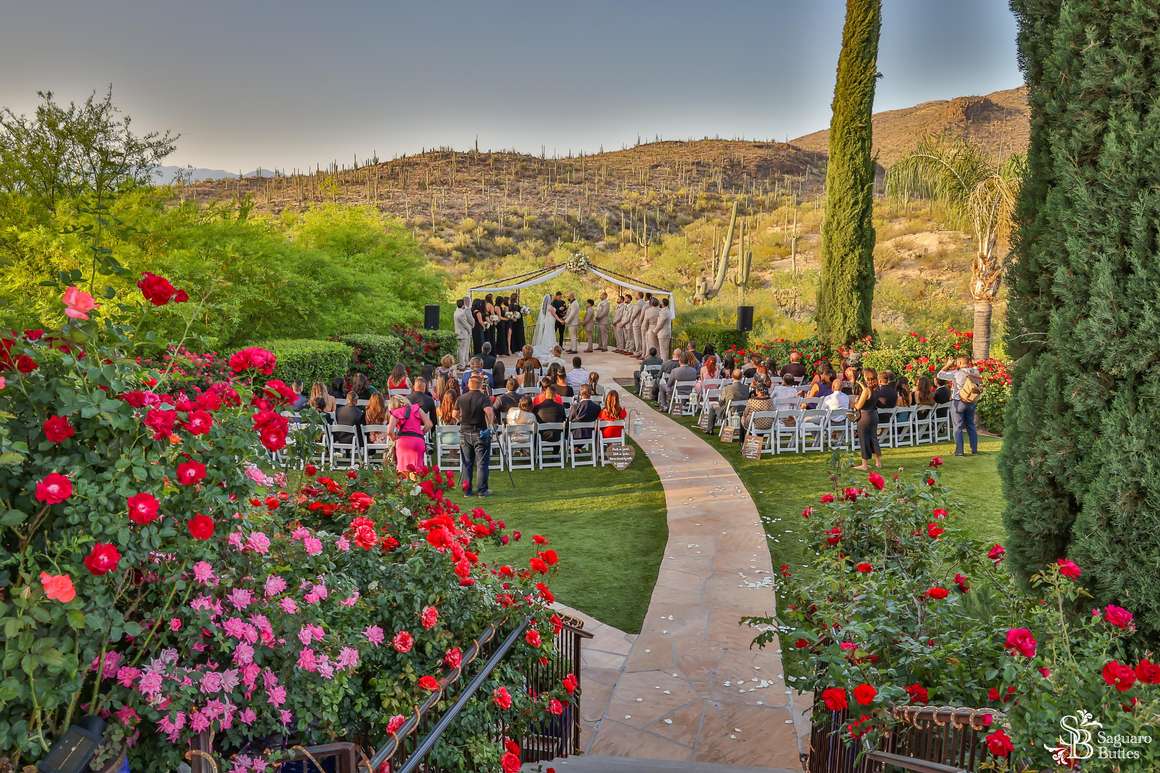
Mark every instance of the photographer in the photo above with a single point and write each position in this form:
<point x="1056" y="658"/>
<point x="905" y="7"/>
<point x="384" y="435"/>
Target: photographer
<point x="475" y="415"/>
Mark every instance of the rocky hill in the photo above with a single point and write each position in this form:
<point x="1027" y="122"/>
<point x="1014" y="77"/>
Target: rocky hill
<point x="998" y="121"/>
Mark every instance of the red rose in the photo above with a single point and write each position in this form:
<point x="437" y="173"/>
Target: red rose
<point x="935" y="461"/>
<point x="200" y="526"/>
<point x="996" y="553"/>
<point x="936" y="593"/>
<point x="550" y="557"/>
<point x="876" y="480"/>
<point x="532" y="637"/>
<point x="834" y="535"/>
<point x="429" y="617"/>
<point x="310" y="470"/>
<point x="394" y="723"/>
<point x="999" y="744"/>
<point x="253" y="358"/>
<point x="1022" y="641"/>
<point x="156" y="289"/>
<point x="403" y="642"/>
<point x="1069" y="568"/>
<point x="807" y="511"/>
<point x="917" y="693"/>
<point x="57" y="429"/>
<point x="934" y="531"/>
<point x="961" y="582"/>
<point x="1119" y="675"/>
<point x="826" y="498"/>
<point x="190" y="472"/>
<point x="502" y="698"/>
<point x="102" y="558"/>
<point x="835" y="698"/>
<point x="53" y="489"/>
<point x="143" y="508"/>
<point x="429" y="683"/>
<point x="538" y="565"/>
<point x="571" y="683"/>
<point x="181" y="296"/>
<point x="1118" y="616"/>
<point x="161" y="421"/>
<point x="865" y="694"/>
<point x="536" y="538"/>
<point x="864" y="568"/>
<point x="198" y="422"/>
<point x="453" y="658"/>
<point x="555" y="707"/>
<point x="939" y="513"/>
<point x="510" y="763"/>
<point x="26" y="364"/>
<point x="1148" y="672"/>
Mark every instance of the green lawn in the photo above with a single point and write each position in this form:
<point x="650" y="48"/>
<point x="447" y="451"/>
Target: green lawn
<point x="608" y="526"/>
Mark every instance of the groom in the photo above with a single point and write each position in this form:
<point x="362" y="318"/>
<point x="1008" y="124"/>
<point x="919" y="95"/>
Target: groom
<point x="572" y="322"/>
<point x="559" y="310"/>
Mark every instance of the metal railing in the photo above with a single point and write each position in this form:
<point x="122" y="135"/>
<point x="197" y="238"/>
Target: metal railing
<point x="928" y="739"/>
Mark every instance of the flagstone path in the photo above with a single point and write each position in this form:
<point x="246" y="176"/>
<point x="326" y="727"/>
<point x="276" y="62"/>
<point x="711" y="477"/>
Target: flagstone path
<point x="689" y="687"/>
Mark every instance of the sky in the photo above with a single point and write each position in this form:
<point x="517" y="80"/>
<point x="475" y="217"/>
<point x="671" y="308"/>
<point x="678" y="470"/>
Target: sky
<point x="293" y="83"/>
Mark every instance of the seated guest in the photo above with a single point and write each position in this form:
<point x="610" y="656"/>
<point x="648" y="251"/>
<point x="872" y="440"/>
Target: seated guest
<point x="300" y="398"/>
<point x="338" y="388"/>
<point x="673" y="362"/>
<point x="398" y="379"/>
<point x="594" y="384"/>
<point x="427" y="371"/>
<point x="350" y="414"/>
<point x="446" y="367"/>
<point x="820" y="384"/>
<point x="550" y="410"/>
<point x="562" y="387"/>
<point x="508" y="399"/>
<point x="547" y="393"/>
<point x="758" y="401"/>
<point x="683" y="372"/>
<point x="476" y="368"/>
<point x="794" y="367"/>
<point x="446" y="412"/>
<point x="420" y="397"/>
<point x="521" y="415"/>
<point x="318" y="392"/>
<point x="735" y="390"/>
<point x="836" y="400"/>
<point x="788" y="389"/>
<point x="749" y="369"/>
<point x="498" y="373"/>
<point x="903" y="389"/>
<point x="651" y="360"/>
<point x="527" y="361"/>
<point x="886" y="395"/>
<point x="320" y="404"/>
<point x="376" y="413"/>
<point x="578" y="376"/>
<point x="486" y="356"/>
<point x="850" y="377"/>
<point x="612" y="411"/>
<point x="529" y="378"/>
<point x="923" y="392"/>
<point x="709" y="369"/>
<point x="942" y="395"/>
<point x="584" y="410"/>
<point x="555" y="358"/>
<point x="361" y="386"/>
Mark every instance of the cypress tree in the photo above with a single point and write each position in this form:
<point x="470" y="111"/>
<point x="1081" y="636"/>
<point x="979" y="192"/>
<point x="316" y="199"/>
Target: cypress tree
<point x="1081" y="457"/>
<point x="846" y="289"/>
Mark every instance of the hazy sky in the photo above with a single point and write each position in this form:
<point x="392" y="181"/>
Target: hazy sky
<point x="258" y="82"/>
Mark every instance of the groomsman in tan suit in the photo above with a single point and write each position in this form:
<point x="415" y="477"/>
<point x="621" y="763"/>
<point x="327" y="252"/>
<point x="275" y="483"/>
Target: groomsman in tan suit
<point x="638" y="325"/>
<point x="648" y="327"/>
<point x="602" y="320"/>
<point x="618" y="323"/>
<point x="589" y="323"/>
<point x="664" y="329"/>
<point x="572" y="323"/>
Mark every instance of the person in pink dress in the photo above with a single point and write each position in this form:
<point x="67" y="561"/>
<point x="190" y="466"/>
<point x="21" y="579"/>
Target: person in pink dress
<point x="408" y="425"/>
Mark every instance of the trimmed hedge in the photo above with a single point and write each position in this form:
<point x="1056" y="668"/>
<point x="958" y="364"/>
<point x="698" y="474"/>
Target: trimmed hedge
<point x="306" y="360"/>
<point x="720" y="337"/>
<point x="375" y="355"/>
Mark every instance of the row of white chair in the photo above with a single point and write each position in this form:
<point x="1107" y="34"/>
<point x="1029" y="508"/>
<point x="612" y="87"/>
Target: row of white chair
<point x="797" y="430"/>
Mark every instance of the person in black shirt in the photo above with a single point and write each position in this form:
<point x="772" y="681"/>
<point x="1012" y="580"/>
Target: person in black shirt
<point x="422" y="398"/>
<point x="867" y="406"/>
<point x="487" y="357"/>
<point x="349" y="414"/>
<point x="561" y="307"/>
<point x="794" y="367"/>
<point x="549" y="412"/>
<point x="584" y="410"/>
<point x="475" y="415"/>
<point x="886" y="395"/>
<point x="505" y="401"/>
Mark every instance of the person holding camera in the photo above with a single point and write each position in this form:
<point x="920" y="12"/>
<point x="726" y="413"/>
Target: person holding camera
<point x="966" y="388"/>
<point x="475" y="415"/>
<point x="866" y="404"/>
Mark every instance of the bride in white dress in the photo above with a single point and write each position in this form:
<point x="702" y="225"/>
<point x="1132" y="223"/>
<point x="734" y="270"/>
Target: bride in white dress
<point x="544" y="338"/>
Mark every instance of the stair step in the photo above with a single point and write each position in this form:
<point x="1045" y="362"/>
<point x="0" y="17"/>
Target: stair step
<point x="592" y="764"/>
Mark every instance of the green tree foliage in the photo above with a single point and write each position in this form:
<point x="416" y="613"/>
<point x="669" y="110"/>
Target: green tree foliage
<point x="846" y="291"/>
<point x="1080" y="460"/>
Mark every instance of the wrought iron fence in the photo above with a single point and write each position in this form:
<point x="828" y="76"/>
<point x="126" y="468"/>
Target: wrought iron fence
<point x="927" y="739"/>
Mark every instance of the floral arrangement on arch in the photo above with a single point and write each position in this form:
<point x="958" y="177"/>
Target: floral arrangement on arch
<point x="901" y="608"/>
<point x="189" y="600"/>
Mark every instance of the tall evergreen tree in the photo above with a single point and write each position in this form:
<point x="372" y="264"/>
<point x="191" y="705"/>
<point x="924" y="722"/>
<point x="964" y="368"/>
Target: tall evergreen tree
<point x="846" y="290"/>
<point x="1081" y="459"/>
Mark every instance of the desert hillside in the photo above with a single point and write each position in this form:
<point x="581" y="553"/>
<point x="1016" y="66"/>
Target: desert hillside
<point x="998" y="121"/>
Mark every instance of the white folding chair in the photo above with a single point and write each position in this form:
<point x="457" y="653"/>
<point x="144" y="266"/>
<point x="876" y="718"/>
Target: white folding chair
<point x="682" y="401"/>
<point x="344" y="452"/>
<point x="549" y="451"/>
<point x="903" y="427"/>
<point x="710" y="397"/>
<point x="923" y="424"/>
<point x="372" y="450"/>
<point x="520" y="444"/>
<point x="839" y="431"/>
<point x="401" y="392"/>
<point x="731" y="409"/>
<point x="785" y="431"/>
<point x="605" y="442"/>
<point x="812" y="429"/>
<point x="363" y="403"/>
<point x="533" y="391"/>
<point x="496" y="450"/>
<point x="886" y="427"/>
<point x="447" y="447"/>
<point x="766" y="433"/>
<point x="582" y="450"/>
<point x="943" y="431"/>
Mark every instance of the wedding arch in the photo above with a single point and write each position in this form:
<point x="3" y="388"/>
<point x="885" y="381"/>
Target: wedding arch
<point x="578" y="264"/>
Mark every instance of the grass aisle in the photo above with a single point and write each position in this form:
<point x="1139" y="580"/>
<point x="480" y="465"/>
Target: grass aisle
<point x="608" y="526"/>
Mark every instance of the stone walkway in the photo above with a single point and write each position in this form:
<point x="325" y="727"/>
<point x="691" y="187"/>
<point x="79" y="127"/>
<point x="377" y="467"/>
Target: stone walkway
<point x="689" y="688"/>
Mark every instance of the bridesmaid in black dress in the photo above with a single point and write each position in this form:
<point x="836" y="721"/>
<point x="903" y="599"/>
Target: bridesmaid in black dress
<point x="477" y="312"/>
<point x="518" y="340"/>
<point x="503" y="328"/>
<point x="488" y="310"/>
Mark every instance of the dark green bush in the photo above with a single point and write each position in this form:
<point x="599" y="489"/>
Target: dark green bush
<point x="720" y="337"/>
<point x="306" y="360"/>
<point x="375" y="355"/>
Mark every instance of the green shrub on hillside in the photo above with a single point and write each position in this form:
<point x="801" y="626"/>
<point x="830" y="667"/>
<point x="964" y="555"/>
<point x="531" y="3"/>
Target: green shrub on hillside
<point x="306" y="360"/>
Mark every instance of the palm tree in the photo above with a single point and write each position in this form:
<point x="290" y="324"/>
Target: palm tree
<point x="978" y="193"/>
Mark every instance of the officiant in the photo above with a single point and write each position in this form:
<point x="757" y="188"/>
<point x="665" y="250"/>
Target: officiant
<point x="560" y="307"/>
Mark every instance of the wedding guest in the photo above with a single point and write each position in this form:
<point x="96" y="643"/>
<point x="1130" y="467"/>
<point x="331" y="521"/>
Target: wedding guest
<point x="820" y="385"/>
<point x="788" y="390"/>
<point x="408" y="425"/>
<point x="550" y="410"/>
<point x="867" y="405"/>
<point x="594" y="383"/>
<point x="476" y="369"/>
<point x="474" y="413"/>
<point x="505" y="401"/>
<point x="758" y="402"/>
<point x="674" y="361"/>
<point x="301" y="399"/>
<point x="547" y="393"/>
<point x="886" y="394"/>
<point x="522" y="415"/>
<point x="836" y="400"/>
<point x="527" y="361"/>
<point x="959" y="372"/>
<point x="361" y="386"/>
<point x="529" y="378"/>
<point x="735" y="391"/>
<point x="683" y="372"/>
<point x="440" y="386"/>
<point x="612" y="411"/>
<point x="518" y="339"/>
<point x="447" y="367"/>
<point x="589" y="322"/>
<point x="349" y="414"/>
<point x="420" y="397"/>
<point x="487" y="358"/>
<point x="578" y="376"/>
<point x="498" y="373"/>
<point x="651" y="360"/>
<point x="320" y="404"/>
<point x="479" y="321"/>
<point x="850" y="380"/>
<point x="489" y="332"/>
<point x="446" y="412"/>
<point x="318" y="392"/>
<point x="923" y="392"/>
<point x="708" y="372"/>
<point x="338" y="388"/>
<point x="562" y="387"/>
<point x="375" y="413"/>
<point x="555" y="358"/>
<point x="584" y="410"/>
<point x="903" y="389"/>
<point x="794" y="367"/>
<point x="750" y="368"/>
<point x="398" y="379"/>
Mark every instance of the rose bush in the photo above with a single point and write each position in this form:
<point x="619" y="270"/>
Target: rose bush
<point x="899" y="599"/>
<point x="153" y="577"/>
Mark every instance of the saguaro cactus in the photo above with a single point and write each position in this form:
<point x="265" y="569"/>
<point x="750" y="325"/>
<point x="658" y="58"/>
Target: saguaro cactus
<point x="723" y="262"/>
